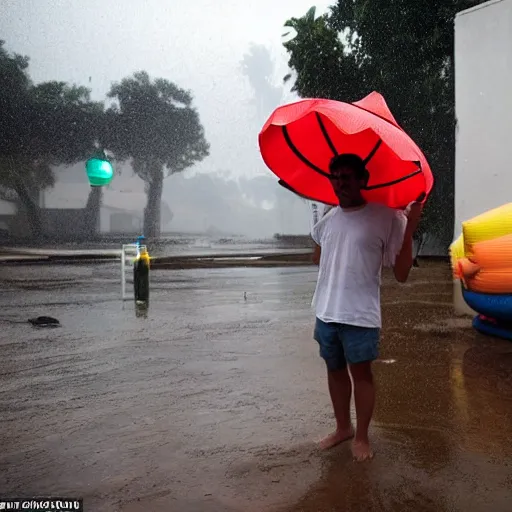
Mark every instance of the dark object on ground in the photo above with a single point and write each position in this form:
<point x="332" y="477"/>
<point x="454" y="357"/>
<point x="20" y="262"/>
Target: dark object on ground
<point x="415" y="263"/>
<point x="44" y="321"/>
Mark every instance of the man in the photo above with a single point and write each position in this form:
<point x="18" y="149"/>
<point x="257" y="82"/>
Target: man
<point x="356" y="239"/>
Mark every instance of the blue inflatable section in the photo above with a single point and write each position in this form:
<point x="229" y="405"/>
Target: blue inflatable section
<point x="498" y="307"/>
<point x="499" y="330"/>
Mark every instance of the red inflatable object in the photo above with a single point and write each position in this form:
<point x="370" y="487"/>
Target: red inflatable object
<point x="299" y="140"/>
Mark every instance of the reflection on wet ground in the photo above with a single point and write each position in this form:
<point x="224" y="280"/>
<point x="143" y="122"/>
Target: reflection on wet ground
<point x="212" y="401"/>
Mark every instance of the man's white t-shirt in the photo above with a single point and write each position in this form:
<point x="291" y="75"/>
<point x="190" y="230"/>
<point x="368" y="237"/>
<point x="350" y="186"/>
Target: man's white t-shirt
<point x="318" y="210"/>
<point x="355" y="244"/>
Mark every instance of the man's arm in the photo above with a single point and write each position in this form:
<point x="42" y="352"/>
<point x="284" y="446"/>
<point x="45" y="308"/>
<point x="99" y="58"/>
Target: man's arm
<point x="316" y="235"/>
<point x="316" y="254"/>
<point x="404" y="260"/>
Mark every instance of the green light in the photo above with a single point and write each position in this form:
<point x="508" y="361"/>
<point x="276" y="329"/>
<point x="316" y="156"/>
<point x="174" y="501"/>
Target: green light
<point x="99" y="171"/>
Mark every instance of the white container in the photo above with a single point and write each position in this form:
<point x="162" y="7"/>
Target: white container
<point x="459" y="304"/>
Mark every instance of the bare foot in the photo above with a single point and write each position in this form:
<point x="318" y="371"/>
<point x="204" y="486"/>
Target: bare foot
<point x="361" y="451"/>
<point x="337" y="437"/>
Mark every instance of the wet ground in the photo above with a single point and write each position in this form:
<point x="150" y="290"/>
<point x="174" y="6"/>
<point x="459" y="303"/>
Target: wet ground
<point x="213" y="401"/>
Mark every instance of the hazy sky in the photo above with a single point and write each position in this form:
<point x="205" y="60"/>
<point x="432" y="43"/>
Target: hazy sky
<point x="198" y="44"/>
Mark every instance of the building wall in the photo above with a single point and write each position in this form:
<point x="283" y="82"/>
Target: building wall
<point x="7" y="208"/>
<point x="68" y="223"/>
<point x="483" y="100"/>
<point x="67" y="196"/>
<point x="121" y="222"/>
<point x="483" y="105"/>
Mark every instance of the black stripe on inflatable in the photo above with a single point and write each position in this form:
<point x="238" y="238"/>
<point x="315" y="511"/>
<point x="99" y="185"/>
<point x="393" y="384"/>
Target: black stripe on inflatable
<point x="291" y="189"/>
<point x="299" y="155"/>
<point x="311" y="165"/>
<point x="373" y="151"/>
<point x="325" y="133"/>
<point x="379" y="116"/>
<point x="394" y="182"/>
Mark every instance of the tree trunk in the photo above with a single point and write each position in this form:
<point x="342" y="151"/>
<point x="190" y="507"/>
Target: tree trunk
<point x="31" y="208"/>
<point x="153" y="207"/>
<point x="92" y="211"/>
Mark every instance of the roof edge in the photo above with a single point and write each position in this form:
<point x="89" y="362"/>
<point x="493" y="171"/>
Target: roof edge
<point x="477" y="7"/>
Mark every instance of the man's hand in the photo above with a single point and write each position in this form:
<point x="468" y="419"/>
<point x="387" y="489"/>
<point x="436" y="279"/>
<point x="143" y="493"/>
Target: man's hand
<point x="404" y="260"/>
<point x="413" y="213"/>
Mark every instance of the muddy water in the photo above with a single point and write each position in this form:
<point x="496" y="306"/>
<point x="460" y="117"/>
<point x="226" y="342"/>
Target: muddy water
<point x="213" y="401"/>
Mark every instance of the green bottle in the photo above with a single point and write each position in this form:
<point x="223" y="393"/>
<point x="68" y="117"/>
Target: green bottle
<point x="141" y="276"/>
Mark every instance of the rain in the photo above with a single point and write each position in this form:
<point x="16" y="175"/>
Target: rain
<point x="161" y="254"/>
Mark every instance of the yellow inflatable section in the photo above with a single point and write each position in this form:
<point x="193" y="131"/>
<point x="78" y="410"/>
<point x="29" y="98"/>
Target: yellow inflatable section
<point x="482" y="255"/>
<point x="456" y="253"/>
<point x="487" y="226"/>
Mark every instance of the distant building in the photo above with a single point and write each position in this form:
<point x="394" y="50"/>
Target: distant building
<point x="8" y="211"/>
<point x="120" y="212"/>
<point x="123" y="200"/>
<point x="63" y="206"/>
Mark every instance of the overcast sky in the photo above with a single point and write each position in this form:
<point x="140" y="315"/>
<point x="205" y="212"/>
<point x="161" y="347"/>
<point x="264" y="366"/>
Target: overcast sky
<point x="199" y="44"/>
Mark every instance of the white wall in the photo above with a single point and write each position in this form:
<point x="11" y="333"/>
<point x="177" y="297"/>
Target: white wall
<point x="7" y="208"/>
<point x="483" y="104"/>
<point x="483" y="100"/>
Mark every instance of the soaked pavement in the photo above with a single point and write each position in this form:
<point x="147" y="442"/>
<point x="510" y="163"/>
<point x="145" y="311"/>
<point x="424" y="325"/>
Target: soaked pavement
<point x="213" y="401"/>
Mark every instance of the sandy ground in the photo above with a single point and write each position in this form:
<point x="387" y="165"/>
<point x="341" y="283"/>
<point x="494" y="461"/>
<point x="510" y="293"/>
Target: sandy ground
<point x="213" y="402"/>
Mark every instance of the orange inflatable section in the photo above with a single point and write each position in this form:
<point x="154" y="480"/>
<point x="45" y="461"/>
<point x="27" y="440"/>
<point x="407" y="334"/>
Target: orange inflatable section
<point x="489" y="270"/>
<point x="495" y="253"/>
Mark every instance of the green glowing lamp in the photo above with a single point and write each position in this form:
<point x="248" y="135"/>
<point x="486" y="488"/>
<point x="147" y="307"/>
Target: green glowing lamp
<point x="99" y="170"/>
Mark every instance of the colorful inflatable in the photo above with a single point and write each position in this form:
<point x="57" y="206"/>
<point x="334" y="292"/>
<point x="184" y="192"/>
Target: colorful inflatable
<point x="481" y="259"/>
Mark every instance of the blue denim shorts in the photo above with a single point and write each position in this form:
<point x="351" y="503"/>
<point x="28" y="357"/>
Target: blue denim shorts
<point x="342" y="343"/>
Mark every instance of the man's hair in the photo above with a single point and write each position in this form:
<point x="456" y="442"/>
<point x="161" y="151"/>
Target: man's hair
<point x="351" y="161"/>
